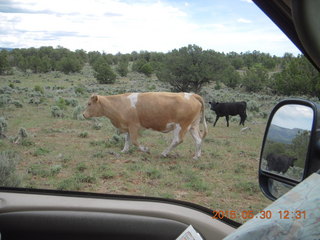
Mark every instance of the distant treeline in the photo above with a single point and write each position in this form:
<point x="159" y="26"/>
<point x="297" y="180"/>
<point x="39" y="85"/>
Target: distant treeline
<point x="186" y="69"/>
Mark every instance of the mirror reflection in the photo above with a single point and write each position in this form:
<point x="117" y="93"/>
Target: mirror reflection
<point x="287" y="142"/>
<point x="277" y="189"/>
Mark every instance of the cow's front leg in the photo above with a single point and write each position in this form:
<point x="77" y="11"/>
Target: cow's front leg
<point x="126" y="143"/>
<point x="133" y="132"/>
<point x="217" y="117"/>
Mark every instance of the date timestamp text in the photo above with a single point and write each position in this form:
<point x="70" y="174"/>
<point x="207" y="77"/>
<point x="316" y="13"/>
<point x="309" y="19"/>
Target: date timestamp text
<point x="265" y="214"/>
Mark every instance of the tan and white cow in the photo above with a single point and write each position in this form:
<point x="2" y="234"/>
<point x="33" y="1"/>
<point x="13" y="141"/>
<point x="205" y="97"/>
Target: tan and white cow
<point x="160" y="111"/>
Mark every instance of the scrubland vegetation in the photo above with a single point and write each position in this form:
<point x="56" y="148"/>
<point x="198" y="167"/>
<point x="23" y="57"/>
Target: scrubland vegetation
<point x="46" y="143"/>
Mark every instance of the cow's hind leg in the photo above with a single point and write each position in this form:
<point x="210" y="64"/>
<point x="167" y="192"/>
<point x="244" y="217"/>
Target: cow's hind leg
<point x="178" y="134"/>
<point x="196" y="135"/>
<point x="243" y="117"/>
<point x="227" y="118"/>
<point x="126" y="143"/>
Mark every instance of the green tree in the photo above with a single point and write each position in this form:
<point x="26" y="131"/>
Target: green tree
<point x="255" y="78"/>
<point x="298" y="77"/>
<point x="146" y="69"/>
<point x="122" y="68"/>
<point x="300" y="147"/>
<point x="103" y="72"/>
<point x="4" y="62"/>
<point x="137" y="65"/>
<point x="45" y="64"/>
<point x="231" y="77"/>
<point x="189" y="68"/>
<point x="69" y="64"/>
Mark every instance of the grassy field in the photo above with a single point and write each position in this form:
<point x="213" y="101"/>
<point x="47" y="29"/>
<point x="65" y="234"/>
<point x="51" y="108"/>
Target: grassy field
<point x="69" y="153"/>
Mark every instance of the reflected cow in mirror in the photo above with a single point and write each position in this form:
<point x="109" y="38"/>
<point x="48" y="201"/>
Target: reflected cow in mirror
<point x="279" y="162"/>
<point x="225" y="109"/>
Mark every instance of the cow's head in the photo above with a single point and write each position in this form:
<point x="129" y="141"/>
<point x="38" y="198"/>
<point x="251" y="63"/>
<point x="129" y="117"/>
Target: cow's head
<point x="93" y="108"/>
<point x="213" y="105"/>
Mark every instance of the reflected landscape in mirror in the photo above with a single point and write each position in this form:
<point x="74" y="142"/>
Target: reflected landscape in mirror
<point x="277" y="189"/>
<point x="287" y="141"/>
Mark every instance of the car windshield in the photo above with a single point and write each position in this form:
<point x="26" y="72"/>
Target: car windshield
<point x="59" y="58"/>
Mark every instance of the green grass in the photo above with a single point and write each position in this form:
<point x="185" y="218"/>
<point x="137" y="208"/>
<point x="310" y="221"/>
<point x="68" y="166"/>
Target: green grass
<point x="84" y="155"/>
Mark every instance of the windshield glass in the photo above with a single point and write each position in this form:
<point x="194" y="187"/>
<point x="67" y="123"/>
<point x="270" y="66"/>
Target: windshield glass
<point x="60" y="58"/>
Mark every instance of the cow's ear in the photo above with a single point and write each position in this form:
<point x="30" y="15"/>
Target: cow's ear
<point x="94" y="98"/>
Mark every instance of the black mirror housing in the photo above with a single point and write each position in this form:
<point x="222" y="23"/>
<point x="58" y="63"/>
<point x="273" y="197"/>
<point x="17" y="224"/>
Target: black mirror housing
<point x="291" y="146"/>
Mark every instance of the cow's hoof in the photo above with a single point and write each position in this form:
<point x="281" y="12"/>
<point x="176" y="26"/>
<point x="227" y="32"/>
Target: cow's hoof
<point x="196" y="157"/>
<point x="163" y="155"/>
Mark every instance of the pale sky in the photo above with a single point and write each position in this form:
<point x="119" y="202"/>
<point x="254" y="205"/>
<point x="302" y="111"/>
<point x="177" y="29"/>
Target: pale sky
<point x="124" y="26"/>
<point x="294" y="116"/>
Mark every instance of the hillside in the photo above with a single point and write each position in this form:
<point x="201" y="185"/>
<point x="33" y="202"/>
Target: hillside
<point x="283" y="135"/>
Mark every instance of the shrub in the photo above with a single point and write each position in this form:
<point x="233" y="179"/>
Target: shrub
<point x="107" y="174"/>
<point x="80" y="89"/>
<point x="3" y="127"/>
<point x="80" y="177"/>
<point x="248" y="187"/>
<point x="35" y="100"/>
<point x="96" y="125"/>
<point x="83" y="134"/>
<point x="116" y="140"/>
<point x="40" y="151"/>
<point x="81" y="167"/>
<point x="56" y="112"/>
<point x="72" y="102"/>
<point x="8" y="161"/>
<point x="38" y="88"/>
<point x="77" y="113"/>
<point x="55" y="169"/>
<point x="61" y="103"/>
<point x="38" y="170"/>
<point x="22" y="134"/>
<point x="253" y="106"/>
<point x="17" y="103"/>
<point x="4" y="99"/>
<point x="69" y="184"/>
<point x="153" y="173"/>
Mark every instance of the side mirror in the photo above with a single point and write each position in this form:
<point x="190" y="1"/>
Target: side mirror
<point x="291" y="148"/>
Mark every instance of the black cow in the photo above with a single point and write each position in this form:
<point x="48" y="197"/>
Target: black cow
<point x="229" y="108"/>
<point x="279" y="163"/>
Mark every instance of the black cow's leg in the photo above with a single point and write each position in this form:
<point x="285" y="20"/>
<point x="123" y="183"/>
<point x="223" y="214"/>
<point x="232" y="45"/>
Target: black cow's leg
<point x="217" y="117"/>
<point x="243" y="118"/>
<point x="227" y="118"/>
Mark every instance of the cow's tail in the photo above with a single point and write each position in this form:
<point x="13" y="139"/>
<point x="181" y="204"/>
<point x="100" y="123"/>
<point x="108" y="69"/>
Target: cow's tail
<point x="203" y="117"/>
